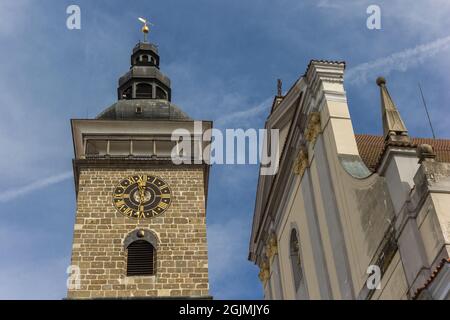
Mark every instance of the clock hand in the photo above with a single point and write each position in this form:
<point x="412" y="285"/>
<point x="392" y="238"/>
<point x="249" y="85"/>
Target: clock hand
<point x="141" y="187"/>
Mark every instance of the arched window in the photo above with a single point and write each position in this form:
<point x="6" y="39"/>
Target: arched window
<point x="126" y="93"/>
<point x="144" y="91"/>
<point x="160" y="93"/>
<point x="295" y="259"/>
<point x="141" y="259"/>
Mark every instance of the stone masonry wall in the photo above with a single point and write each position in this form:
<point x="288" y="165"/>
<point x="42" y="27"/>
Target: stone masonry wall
<point x="182" y="262"/>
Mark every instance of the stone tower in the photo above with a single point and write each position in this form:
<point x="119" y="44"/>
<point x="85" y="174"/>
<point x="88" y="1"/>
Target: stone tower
<point x="140" y="228"/>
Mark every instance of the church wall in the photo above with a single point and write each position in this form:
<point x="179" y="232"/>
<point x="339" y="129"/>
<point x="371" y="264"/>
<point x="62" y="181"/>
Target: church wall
<point x="430" y="229"/>
<point x="349" y="218"/>
<point x="315" y="237"/>
<point x="324" y="227"/>
<point x="399" y="176"/>
<point x="182" y="264"/>
<point x="393" y="284"/>
<point x="275" y="279"/>
<point x="333" y="227"/>
<point x="295" y="217"/>
<point x="364" y="208"/>
<point x="442" y="204"/>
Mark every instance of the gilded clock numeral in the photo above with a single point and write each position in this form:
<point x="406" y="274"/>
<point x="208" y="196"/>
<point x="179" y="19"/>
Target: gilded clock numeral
<point x="142" y="179"/>
<point x="120" y="203"/>
<point x="121" y="196"/>
<point x="163" y="205"/>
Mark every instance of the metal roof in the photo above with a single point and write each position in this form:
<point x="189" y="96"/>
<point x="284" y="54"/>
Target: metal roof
<point x="144" y="109"/>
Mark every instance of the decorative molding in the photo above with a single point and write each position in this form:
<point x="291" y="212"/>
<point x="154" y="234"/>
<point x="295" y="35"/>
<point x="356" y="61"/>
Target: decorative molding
<point x="313" y="127"/>
<point x="301" y="162"/>
<point x="425" y="152"/>
<point x="264" y="273"/>
<point x="272" y="246"/>
<point x="141" y="234"/>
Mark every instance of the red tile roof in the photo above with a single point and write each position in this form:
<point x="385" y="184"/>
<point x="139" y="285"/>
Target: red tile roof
<point x="431" y="278"/>
<point x="371" y="148"/>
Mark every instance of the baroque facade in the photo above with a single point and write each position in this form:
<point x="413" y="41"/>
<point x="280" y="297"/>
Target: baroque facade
<point x="140" y="225"/>
<point x="346" y="210"/>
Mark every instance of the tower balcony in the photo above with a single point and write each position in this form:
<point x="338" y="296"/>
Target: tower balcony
<point x="140" y="139"/>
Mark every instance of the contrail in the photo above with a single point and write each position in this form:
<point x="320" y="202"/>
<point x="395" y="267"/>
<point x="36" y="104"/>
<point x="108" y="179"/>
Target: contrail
<point x="20" y="191"/>
<point x="399" y="61"/>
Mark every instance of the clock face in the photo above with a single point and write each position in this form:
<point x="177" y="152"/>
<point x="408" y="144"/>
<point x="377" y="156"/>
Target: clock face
<point x="142" y="196"/>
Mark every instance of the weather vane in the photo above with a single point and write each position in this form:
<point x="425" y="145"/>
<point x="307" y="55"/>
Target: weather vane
<point x="145" y="28"/>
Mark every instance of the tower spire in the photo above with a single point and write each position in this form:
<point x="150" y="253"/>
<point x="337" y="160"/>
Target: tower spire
<point x="394" y="129"/>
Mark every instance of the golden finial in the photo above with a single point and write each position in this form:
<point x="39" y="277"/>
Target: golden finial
<point x="145" y="29"/>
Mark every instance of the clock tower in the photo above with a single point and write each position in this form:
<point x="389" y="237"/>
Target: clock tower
<point x="140" y="228"/>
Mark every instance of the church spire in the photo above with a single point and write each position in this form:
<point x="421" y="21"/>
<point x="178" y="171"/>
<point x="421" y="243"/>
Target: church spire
<point x="394" y="129"/>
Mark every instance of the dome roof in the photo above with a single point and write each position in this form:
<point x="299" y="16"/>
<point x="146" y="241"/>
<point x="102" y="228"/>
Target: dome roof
<point x="143" y="109"/>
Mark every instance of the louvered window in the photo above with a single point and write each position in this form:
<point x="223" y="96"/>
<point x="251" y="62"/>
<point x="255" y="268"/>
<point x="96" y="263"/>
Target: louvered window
<point x="141" y="259"/>
<point x="144" y="91"/>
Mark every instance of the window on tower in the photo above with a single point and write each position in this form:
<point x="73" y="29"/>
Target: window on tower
<point x="295" y="259"/>
<point x="96" y="148"/>
<point x="144" y="91"/>
<point x="126" y="93"/>
<point x="119" y="148"/>
<point x="143" y="148"/>
<point x="160" y="93"/>
<point x="141" y="259"/>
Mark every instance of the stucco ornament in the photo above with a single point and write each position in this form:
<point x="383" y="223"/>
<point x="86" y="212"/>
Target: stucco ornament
<point x="301" y="163"/>
<point x="313" y="127"/>
<point x="272" y="246"/>
<point x="264" y="273"/>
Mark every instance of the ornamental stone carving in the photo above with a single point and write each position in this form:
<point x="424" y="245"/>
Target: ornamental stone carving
<point x="313" y="127"/>
<point x="272" y="246"/>
<point x="301" y="162"/>
<point x="264" y="273"/>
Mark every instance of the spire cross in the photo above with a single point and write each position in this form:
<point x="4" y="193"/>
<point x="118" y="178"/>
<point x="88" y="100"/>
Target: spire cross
<point x="279" y="88"/>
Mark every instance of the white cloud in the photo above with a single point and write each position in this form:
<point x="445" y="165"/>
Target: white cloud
<point x="399" y="61"/>
<point x="36" y="185"/>
<point x="335" y="4"/>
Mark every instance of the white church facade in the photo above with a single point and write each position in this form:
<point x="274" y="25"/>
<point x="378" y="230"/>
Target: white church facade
<point x="350" y="216"/>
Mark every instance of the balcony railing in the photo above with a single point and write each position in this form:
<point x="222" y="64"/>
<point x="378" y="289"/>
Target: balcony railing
<point x="135" y="149"/>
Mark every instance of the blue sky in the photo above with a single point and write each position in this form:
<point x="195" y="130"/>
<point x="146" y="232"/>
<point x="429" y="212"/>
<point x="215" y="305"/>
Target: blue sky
<point x="223" y="58"/>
